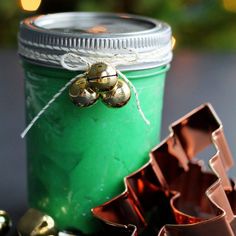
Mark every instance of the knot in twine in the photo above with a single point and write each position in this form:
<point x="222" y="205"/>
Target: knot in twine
<point x="72" y="61"/>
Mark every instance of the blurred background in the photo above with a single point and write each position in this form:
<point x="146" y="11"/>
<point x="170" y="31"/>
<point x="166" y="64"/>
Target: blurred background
<point x="198" y="24"/>
<point x="203" y="70"/>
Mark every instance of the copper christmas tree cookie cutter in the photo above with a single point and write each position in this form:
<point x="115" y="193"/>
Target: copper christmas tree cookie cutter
<point x="172" y="194"/>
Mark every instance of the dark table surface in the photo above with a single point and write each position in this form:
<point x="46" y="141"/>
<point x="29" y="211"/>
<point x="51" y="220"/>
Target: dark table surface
<point x="194" y="78"/>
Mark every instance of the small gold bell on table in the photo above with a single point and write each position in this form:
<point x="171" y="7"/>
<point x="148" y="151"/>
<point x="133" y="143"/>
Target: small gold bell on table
<point x="118" y="96"/>
<point x="5" y="222"/>
<point x="102" y="77"/>
<point x="81" y="94"/>
<point x="36" y="223"/>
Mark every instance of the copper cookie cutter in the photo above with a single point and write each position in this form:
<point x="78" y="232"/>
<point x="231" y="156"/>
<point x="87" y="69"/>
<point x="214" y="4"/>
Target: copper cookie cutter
<point x="172" y="194"/>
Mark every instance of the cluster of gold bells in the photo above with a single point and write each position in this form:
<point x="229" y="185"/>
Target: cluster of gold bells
<point x="101" y="81"/>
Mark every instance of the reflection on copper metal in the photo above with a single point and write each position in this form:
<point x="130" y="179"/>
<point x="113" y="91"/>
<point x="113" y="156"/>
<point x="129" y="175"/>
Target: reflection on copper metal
<point x="98" y="29"/>
<point x="172" y="194"/>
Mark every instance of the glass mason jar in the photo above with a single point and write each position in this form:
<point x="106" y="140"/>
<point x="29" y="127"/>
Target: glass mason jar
<point x="77" y="157"/>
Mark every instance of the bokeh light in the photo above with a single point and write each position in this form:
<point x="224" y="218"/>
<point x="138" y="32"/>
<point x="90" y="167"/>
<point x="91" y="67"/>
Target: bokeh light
<point x="230" y="5"/>
<point x="30" y="5"/>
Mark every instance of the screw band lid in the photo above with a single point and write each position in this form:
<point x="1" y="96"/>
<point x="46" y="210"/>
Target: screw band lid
<point x="133" y="42"/>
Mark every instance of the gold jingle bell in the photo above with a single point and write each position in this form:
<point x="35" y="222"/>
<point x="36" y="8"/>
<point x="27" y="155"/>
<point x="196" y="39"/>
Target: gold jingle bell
<point x="81" y="94"/>
<point x="118" y="96"/>
<point x="5" y="222"/>
<point x="36" y="223"/>
<point x="102" y="77"/>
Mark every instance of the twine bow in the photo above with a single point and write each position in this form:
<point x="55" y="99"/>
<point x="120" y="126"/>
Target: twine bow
<point x="72" y="62"/>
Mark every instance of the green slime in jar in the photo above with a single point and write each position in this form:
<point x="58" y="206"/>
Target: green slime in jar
<point x="78" y="157"/>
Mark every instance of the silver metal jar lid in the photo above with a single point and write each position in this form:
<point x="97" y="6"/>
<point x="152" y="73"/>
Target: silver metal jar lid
<point x="129" y="42"/>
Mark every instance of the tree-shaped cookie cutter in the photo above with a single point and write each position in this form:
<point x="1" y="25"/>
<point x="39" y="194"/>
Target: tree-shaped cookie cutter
<point x="172" y="194"/>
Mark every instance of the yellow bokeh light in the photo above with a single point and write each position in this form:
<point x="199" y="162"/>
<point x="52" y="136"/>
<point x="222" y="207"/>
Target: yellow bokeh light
<point x="173" y="42"/>
<point x="230" y="5"/>
<point x="30" y="5"/>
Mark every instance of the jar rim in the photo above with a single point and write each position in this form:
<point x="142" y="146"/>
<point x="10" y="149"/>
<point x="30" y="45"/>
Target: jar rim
<point x="43" y="39"/>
